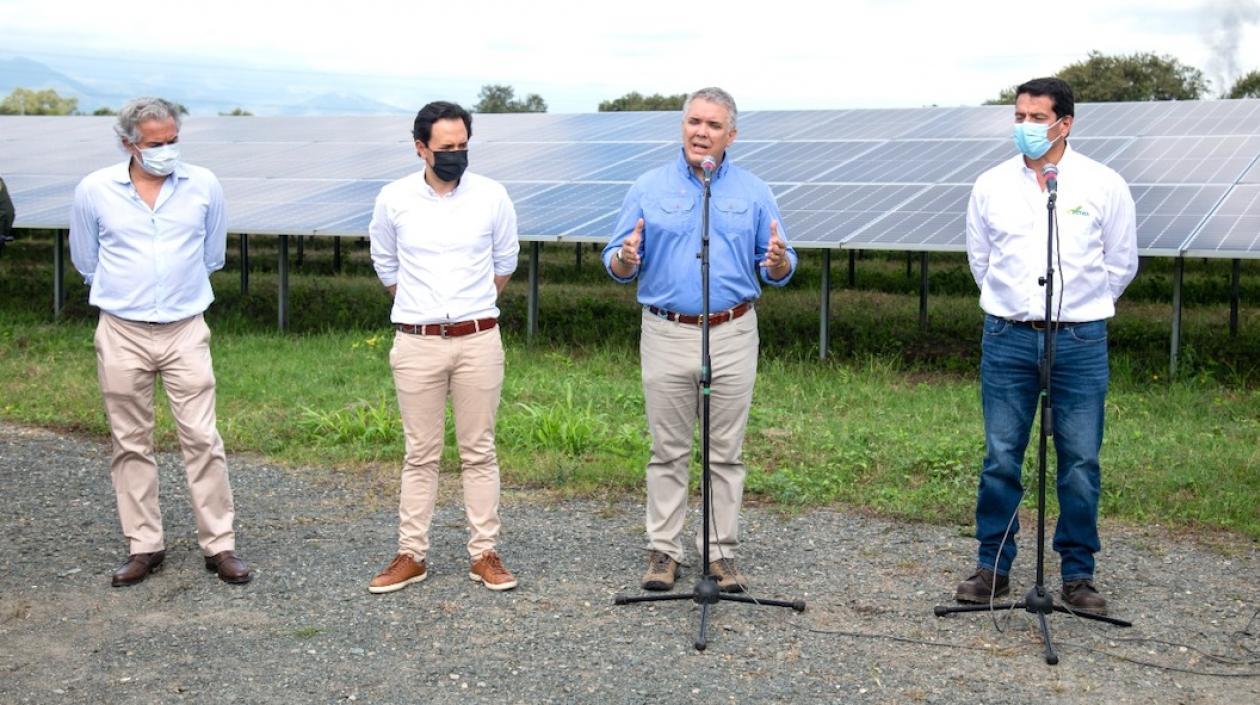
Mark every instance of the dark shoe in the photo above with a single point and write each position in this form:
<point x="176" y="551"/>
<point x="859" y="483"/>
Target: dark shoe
<point x="979" y="587"/>
<point x="230" y="568"/>
<point x="661" y="572"/>
<point x="401" y="572"/>
<point x="1081" y="596"/>
<point x="137" y="568"/>
<point x="488" y="570"/>
<point x="729" y="579"/>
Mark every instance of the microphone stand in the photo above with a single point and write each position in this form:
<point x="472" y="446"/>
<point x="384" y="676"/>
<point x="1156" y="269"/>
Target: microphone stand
<point x="706" y="592"/>
<point x="1038" y="600"/>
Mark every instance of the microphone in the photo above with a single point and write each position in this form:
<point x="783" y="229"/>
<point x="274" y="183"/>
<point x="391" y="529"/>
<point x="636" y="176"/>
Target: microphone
<point x="708" y="165"/>
<point x="1051" y="174"/>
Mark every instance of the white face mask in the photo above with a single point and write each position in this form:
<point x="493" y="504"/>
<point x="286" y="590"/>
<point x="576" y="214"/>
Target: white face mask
<point x="160" y="161"/>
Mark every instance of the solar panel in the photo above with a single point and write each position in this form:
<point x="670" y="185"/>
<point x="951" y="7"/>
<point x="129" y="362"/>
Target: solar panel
<point x="1220" y="160"/>
<point x="894" y="178"/>
<point x="827" y="215"/>
<point x="1233" y="229"/>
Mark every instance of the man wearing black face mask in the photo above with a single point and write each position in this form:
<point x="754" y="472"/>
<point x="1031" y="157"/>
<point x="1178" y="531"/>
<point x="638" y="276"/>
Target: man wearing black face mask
<point x="444" y="244"/>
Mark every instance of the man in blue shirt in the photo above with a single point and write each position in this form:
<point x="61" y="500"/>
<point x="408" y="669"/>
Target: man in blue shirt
<point x="146" y="234"/>
<point x="656" y="242"/>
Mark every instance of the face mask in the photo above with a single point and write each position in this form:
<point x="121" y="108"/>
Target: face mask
<point x="1030" y="138"/>
<point x="159" y="161"/>
<point x="449" y="166"/>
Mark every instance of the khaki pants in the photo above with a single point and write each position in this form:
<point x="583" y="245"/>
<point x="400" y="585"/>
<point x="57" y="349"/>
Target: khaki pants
<point x="129" y="357"/>
<point x="470" y="369"/>
<point x="670" y="355"/>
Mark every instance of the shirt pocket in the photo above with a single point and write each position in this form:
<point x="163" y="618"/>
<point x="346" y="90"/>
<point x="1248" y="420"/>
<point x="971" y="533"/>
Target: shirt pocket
<point x="733" y="218"/>
<point x="672" y="214"/>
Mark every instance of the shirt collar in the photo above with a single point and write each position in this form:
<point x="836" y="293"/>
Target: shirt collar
<point x="685" y="168"/>
<point x="1069" y="156"/>
<point x="428" y="190"/>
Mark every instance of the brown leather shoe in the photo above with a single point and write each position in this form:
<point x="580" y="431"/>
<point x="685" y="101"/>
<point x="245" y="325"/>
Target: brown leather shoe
<point x="729" y="579"/>
<point x="230" y="568"/>
<point x="401" y="572"/>
<point x="983" y="586"/>
<point x="661" y="572"/>
<point x="489" y="571"/>
<point x="137" y="568"/>
<point x="1081" y="596"/>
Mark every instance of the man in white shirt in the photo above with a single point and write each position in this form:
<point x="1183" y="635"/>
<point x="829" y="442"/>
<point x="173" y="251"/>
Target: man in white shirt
<point x="1095" y="259"/>
<point x="444" y="244"/>
<point x="146" y="234"/>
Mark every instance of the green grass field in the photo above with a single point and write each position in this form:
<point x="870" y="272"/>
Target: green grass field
<point x="890" y="422"/>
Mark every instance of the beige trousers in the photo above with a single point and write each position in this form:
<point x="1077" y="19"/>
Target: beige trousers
<point x="129" y="358"/>
<point x="428" y="368"/>
<point x="670" y="359"/>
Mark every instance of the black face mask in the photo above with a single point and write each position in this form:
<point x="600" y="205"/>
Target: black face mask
<point x="449" y="166"/>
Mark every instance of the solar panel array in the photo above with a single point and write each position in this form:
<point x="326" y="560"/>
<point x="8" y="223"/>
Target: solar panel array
<point x="893" y="179"/>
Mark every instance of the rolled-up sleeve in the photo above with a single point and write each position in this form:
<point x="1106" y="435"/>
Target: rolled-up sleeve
<point x="769" y="213"/>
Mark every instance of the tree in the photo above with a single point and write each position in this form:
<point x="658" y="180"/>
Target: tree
<point x="24" y="101"/>
<point x="104" y="110"/>
<point x="1142" y="76"/>
<point x="637" y="101"/>
<point x="1247" y="85"/>
<point x="237" y="112"/>
<point x="499" y="98"/>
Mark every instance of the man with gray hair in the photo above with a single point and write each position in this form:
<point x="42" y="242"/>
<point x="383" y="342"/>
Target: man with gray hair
<point x="146" y="234"/>
<point x="655" y="241"/>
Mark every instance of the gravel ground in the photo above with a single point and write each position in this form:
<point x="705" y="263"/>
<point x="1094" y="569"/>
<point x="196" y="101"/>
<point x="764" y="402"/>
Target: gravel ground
<point x="307" y="631"/>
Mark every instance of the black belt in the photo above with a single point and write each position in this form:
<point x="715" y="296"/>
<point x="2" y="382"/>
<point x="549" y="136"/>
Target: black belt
<point x="1041" y="325"/>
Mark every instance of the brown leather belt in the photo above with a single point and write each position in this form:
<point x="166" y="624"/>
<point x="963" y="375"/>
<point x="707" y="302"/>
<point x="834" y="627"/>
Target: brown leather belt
<point x="448" y="330"/>
<point x="715" y="319"/>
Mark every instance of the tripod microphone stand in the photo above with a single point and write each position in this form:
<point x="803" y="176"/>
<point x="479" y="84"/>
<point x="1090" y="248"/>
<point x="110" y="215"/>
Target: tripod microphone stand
<point x="706" y="592"/>
<point x="1038" y="600"/>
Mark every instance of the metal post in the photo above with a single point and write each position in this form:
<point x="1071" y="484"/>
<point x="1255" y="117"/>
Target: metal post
<point x="1178" y="269"/>
<point x="909" y="264"/>
<point x="824" y="316"/>
<point x="923" y="291"/>
<point x="531" y="317"/>
<point x="301" y="247"/>
<point x="577" y="257"/>
<point x="1233" y="298"/>
<point x="337" y="255"/>
<point x="852" y="268"/>
<point x="59" y="273"/>
<point x="283" y="307"/>
<point x="244" y="265"/>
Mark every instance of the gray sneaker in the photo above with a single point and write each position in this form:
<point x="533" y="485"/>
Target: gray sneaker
<point x="661" y="572"/>
<point x="729" y="579"/>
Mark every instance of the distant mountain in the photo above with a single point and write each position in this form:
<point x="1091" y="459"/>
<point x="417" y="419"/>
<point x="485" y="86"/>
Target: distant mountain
<point x="19" y="72"/>
<point x="337" y="103"/>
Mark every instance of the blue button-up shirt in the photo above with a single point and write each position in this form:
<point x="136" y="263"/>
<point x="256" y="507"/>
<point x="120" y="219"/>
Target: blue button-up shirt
<point x="149" y="264"/>
<point x="670" y="200"/>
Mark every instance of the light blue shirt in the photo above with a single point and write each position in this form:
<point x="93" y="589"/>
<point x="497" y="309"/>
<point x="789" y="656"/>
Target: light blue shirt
<point x="149" y="264"/>
<point x="670" y="200"/>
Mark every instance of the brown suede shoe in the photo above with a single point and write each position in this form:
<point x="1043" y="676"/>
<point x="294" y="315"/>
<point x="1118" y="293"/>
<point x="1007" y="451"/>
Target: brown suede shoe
<point x="401" y="572"/>
<point x="230" y="568"/>
<point x="489" y="571"/>
<point x="1081" y="596"/>
<point x="137" y="568"/>
<point x="729" y="579"/>
<point x="979" y="588"/>
<point x="661" y="572"/>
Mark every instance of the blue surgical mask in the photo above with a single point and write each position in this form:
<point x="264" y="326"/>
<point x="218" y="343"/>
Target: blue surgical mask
<point x="160" y="161"/>
<point x="1030" y="138"/>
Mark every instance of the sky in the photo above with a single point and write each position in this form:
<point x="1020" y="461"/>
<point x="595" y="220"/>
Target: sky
<point x="771" y="54"/>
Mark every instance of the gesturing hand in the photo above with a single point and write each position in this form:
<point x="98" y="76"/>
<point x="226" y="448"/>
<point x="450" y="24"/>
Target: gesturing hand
<point x="776" y="252"/>
<point x="629" y="252"/>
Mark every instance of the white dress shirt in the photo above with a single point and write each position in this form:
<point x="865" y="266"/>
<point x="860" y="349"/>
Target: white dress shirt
<point x="1006" y="240"/>
<point x="443" y="252"/>
<point x="149" y="264"/>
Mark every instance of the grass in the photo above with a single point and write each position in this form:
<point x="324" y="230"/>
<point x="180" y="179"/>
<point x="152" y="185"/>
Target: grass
<point x="890" y="422"/>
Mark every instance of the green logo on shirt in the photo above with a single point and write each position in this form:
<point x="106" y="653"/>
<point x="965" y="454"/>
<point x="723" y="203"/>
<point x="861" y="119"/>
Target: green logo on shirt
<point x="1079" y="211"/>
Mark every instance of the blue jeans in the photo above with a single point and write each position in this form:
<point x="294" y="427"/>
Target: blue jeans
<point x="1010" y="391"/>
